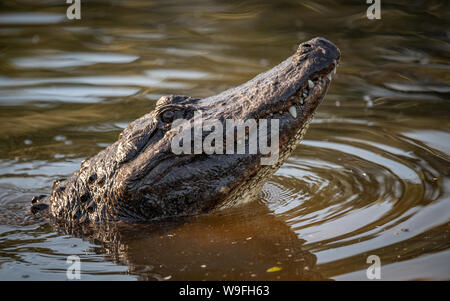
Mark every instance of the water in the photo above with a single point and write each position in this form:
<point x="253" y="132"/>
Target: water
<point x="370" y="178"/>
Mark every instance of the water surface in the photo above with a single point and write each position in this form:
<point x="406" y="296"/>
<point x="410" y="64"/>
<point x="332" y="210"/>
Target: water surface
<point x="372" y="176"/>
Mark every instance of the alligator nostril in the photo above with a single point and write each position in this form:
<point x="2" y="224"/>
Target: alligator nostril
<point x="303" y="49"/>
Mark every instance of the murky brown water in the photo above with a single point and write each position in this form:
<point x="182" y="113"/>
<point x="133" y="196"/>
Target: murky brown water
<point x="371" y="177"/>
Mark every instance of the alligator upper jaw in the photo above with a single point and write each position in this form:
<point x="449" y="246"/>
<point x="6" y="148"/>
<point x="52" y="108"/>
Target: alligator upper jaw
<point x="280" y="87"/>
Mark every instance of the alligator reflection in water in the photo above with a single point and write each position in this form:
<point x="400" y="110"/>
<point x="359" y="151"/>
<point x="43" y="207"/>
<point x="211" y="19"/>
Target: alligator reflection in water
<point x="233" y="244"/>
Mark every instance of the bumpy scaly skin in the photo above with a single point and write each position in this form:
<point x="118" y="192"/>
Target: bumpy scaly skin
<point x="139" y="178"/>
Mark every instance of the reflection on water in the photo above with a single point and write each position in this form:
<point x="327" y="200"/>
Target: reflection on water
<point x="228" y="245"/>
<point x="371" y="177"/>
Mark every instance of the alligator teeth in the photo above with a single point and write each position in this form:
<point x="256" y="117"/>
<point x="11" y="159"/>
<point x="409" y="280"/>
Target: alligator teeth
<point x="302" y="101"/>
<point x="293" y="111"/>
<point x="334" y="70"/>
<point x="329" y="76"/>
<point x="310" y="84"/>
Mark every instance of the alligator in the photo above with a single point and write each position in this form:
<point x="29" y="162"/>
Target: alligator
<point x="140" y="178"/>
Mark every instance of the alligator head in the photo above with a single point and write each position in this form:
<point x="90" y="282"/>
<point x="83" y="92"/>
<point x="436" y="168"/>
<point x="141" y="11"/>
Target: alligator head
<point x="140" y="177"/>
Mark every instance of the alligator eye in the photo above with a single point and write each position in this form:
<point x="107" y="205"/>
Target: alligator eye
<point x="167" y="116"/>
